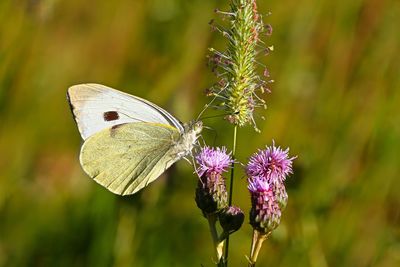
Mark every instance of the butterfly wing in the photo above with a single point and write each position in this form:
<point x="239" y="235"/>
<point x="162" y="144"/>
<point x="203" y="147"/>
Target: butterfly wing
<point x="97" y="107"/>
<point x="127" y="157"/>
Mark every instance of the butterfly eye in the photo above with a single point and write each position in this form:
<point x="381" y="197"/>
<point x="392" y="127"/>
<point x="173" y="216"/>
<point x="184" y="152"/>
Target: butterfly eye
<point x="198" y="126"/>
<point x="110" y="116"/>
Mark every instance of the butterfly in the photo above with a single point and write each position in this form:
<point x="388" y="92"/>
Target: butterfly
<point x="128" y="141"/>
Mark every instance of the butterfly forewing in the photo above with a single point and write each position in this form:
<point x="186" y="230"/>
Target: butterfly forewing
<point x="97" y="107"/>
<point x="127" y="157"/>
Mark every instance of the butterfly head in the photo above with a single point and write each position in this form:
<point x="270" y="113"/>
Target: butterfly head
<point x="197" y="126"/>
<point x="192" y="131"/>
<point x="194" y="126"/>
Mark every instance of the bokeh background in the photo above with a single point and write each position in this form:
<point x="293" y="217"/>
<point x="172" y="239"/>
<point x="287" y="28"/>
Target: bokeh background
<point x="335" y="102"/>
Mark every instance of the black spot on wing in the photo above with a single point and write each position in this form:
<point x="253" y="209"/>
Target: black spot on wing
<point x="110" y="116"/>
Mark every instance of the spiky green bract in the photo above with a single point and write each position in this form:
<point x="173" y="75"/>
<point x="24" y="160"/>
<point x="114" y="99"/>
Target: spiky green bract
<point x="236" y="67"/>
<point x="211" y="196"/>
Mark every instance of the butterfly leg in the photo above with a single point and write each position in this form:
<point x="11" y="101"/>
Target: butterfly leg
<point x="185" y="158"/>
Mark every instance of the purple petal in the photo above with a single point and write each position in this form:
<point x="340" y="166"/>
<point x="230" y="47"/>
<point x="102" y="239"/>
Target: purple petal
<point x="215" y="160"/>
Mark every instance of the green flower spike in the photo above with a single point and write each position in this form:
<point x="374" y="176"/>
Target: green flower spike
<point x="236" y="67"/>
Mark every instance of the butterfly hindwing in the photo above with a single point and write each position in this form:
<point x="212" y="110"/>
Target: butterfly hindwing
<point x="127" y="157"/>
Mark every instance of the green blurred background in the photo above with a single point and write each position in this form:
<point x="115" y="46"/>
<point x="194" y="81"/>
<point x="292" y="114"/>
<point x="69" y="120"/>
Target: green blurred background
<point x="335" y="103"/>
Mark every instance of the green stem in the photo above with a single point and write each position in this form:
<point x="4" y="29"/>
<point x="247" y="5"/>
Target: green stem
<point x="231" y="187"/>
<point x="256" y="244"/>
<point x="233" y="165"/>
<point x="218" y="244"/>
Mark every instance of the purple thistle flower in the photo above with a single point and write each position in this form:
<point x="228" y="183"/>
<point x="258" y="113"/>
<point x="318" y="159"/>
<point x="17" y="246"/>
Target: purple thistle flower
<point x="212" y="160"/>
<point x="265" y="213"/>
<point x="272" y="164"/>
<point x="266" y="171"/>
<point x="211" y="195"/>
<point x="258" y="185"/>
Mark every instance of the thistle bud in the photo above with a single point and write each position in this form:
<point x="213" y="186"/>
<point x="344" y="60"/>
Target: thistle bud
<point x="265" y="214"/>
<point x="231" y="219"/>
<point x="267" y="170"/>
<point x="281" y="195"/>
<point x="211" y="196"/>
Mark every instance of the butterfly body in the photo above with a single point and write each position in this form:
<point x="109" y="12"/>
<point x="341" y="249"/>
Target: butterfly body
<point x="129" y="141"/>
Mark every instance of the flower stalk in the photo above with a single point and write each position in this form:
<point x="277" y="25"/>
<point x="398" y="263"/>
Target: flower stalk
<point x="217" y="242"/>
<point x="235" y="128"/>
<point x="256" y="244"/>
<point x="231" y="183"/>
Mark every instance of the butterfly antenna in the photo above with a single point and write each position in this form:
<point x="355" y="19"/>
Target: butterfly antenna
<point x="212" y="101"/>
<point x="215" y="116"/>
<point x="205" y="108"/>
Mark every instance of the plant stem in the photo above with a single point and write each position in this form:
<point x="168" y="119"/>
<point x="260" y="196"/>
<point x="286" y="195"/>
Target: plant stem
<point x="256" y="244"/>
<point x="233" y="165"/>
<point x="231" y="186"/>
<point x="218" y="244"/>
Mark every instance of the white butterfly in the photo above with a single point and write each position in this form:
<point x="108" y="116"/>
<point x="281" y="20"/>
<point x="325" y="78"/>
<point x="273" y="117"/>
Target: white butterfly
<point x="128" y="141"/>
